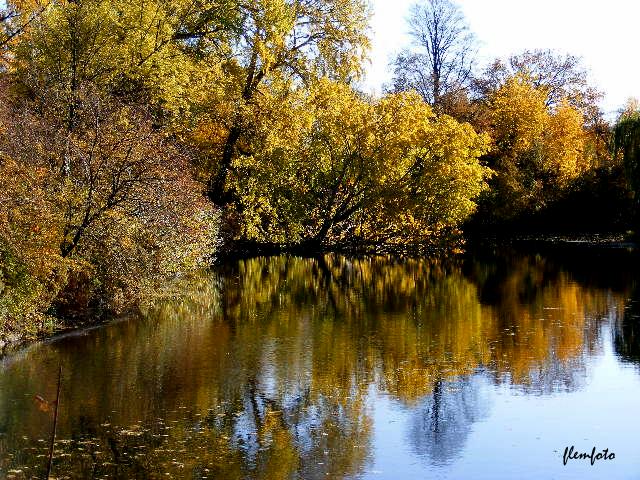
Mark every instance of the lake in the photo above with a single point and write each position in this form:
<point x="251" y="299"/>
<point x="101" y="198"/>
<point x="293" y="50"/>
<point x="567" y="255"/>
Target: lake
<point x="486" y="366"/>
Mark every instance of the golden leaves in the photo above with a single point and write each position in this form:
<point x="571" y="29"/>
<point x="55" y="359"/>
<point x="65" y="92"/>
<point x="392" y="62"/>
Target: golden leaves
<point x="519" y="115"/>
<point x="564" y="143"/>
<point x="328" y="163"/>
<point x="538" y="149"/>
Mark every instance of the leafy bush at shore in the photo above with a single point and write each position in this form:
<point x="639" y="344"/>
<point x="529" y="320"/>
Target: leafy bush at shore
<point x="96" y="216"/>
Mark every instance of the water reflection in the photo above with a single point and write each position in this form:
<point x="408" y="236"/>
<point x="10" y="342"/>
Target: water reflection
<point x="627" y="331"/>
<point x="273" y="367"/>
<point x="443" y="419"/>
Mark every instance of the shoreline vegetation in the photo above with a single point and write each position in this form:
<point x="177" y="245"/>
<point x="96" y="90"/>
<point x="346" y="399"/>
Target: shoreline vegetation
<point x="143" y="141"/>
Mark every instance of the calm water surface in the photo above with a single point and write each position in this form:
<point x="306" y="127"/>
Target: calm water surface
<point x="331" y="367"/>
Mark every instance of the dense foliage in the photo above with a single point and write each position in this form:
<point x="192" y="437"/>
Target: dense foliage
<point x="344" y="168"/>
<point x="537" y="151"/>
<point x="101" y="213"/>
<point x="627" y="143"/>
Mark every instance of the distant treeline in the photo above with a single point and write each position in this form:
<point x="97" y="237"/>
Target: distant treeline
<point x="138" y="139"/>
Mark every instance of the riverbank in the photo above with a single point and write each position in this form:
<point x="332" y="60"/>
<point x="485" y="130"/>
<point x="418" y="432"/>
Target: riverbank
<point x="236" y="250"/>
<point x="11" y="342"/>
<point x="608" y="240"/>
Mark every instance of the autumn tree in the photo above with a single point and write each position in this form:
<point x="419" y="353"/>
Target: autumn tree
<point x="562" y="76"/>
<point x="440" y="64"/>
<point x="151" y="52"/>
<point x="292" y="40"/>
<point x="565" y="79"/>
<point x="538" y="148"/>
<point x="342" y="167"/>
<point x="626" y="142"/>
<point x="15" y="18"/>
<point x="103" y="213"/>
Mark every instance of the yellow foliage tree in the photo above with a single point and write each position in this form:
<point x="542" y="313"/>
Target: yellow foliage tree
<point x="564" y="143"/>
<point x="335" y="166"/>
<point x="140" y="50"/>
<point x="519" y="116"/>
<point x="538" y="149"/>
<point x="106" y="212"/>
<point x="288" y="41"/>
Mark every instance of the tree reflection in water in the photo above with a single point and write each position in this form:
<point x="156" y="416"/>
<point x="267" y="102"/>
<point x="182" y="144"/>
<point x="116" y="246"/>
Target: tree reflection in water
<point x="627" y="330"/>
<point x="443" y="419"/>
<point x="270" y="368"/>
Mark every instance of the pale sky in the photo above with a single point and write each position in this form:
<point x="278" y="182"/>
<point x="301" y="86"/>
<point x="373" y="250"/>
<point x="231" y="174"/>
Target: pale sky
<point x="605" y="34"/>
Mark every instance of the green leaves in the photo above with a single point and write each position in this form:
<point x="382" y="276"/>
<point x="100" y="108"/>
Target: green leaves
<point x="627" y="142"/>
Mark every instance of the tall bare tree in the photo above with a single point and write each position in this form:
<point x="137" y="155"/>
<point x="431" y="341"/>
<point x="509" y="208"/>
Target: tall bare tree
<point x="439" y="64"/>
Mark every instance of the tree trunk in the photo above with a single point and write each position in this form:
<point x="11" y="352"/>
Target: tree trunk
<point x="216" y="188"/>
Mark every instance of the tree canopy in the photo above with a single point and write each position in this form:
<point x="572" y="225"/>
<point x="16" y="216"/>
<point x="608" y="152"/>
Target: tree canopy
<point x="627" y="143"/>
<point x="341" y="166"/>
